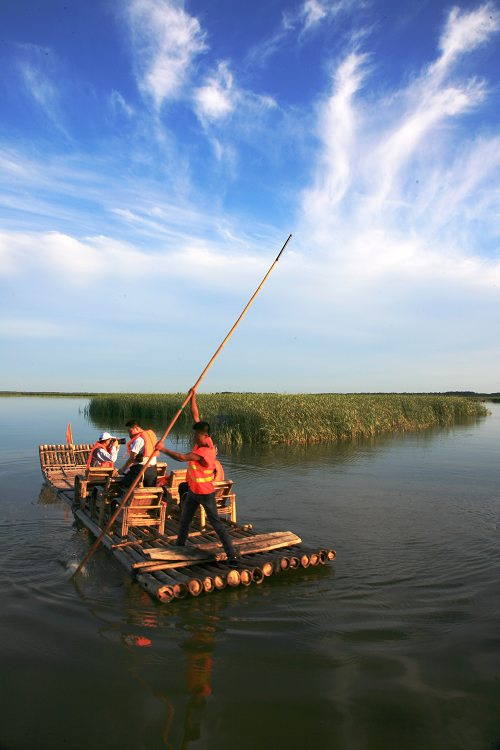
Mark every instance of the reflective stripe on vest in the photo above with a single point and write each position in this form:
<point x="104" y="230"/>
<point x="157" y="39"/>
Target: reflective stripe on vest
<point x="201" y="479"/>
<point x="93" y="451"/>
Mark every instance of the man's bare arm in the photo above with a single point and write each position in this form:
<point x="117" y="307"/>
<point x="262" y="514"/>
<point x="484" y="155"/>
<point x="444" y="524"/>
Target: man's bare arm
<point x="194" y="407"/>
<point x="181" y="456"/>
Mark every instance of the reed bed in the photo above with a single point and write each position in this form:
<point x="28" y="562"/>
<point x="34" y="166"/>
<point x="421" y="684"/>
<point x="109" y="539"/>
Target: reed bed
<point x="270" y="418"/>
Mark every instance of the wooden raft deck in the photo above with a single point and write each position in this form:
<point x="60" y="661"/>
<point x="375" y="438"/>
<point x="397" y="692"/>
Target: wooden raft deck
<point x="168" y="572"/>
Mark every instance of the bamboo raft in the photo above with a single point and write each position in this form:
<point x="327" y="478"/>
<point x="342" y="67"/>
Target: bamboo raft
<point x="142" y="540"/>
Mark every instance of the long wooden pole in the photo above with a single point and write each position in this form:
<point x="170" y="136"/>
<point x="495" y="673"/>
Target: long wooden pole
<point x="176" y="416"/>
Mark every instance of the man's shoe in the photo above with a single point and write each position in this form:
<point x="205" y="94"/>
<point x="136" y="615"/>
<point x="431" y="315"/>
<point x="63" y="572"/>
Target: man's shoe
<point x="233" y="562"/>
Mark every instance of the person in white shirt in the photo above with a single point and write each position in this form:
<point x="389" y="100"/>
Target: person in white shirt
<point x="140" y="447"/>
<point x="104" y="452"/>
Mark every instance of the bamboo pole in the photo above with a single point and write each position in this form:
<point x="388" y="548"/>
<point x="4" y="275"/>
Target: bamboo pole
<point x="177" y="415"/>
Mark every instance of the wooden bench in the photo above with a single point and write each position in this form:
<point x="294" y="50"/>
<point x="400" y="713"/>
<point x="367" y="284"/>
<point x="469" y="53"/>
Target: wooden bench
<point x="162" y="468"/>
<point x="175" y="478"/>
<point x="95" y="476"/>
<point x="225" y="499"/>
<point x="143" y="508"/>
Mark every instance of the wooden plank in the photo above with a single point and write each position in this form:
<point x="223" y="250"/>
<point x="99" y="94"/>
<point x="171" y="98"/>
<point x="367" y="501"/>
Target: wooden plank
<point x="258" y="542"/>
<point x="194" y="557"/>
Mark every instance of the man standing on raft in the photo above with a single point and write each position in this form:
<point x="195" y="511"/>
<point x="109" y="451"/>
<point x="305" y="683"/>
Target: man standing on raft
<point x="200" y="479"/>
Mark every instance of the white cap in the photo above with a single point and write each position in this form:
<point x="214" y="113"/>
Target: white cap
<point x="105" y="436"/>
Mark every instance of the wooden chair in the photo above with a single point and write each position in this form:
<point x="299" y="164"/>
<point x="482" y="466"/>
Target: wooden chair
<point x="96" y="476"/>
<point x="225" y="500"/>
<point x="162" y="468"/>
<point x="143" y="508"/>
<point x="171" y="488"/>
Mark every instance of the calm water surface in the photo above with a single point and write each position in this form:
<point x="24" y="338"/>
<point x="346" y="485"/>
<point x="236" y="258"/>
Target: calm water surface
<point x="395" y="645"/>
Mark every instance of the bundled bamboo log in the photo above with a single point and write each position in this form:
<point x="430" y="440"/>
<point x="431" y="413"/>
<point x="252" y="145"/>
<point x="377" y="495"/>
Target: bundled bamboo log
<point x="181" y="582"/>
<point x="154" y="587"/>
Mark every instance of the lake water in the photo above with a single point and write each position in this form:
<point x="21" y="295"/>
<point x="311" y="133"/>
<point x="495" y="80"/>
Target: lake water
<point x="394" y="645"/>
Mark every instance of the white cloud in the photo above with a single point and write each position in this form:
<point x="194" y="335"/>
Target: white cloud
<point x="312" y="13"/>
<point x="220" y="98"/>
<point x="102" y="260"/>
<point x="464" y="32"/>
<point x="166" y="40"/>
<point x="402" y="204"/>
<point x="217" y="98"/>
<point x="337" y="130"/>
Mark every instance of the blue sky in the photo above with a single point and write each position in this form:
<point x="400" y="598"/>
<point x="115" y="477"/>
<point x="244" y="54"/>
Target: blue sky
<point x="155" y="155"/>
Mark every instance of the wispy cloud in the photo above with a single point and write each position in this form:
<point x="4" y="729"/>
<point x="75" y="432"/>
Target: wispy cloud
<point x="366" y="167"/>
<point x="401" y="208"/>
<point x="217" y="98"/>
<point x="15" y="328"/>
<point x="300" y="23"/>
<point x="338" y="130"/>
<point x="166" y="40"/>
<point x="220" y="99"/>
<point x="314" y="12"/>
<point x="38" y="69"/>
<point x="463" y="33"/>
<point x="119" y="104"/>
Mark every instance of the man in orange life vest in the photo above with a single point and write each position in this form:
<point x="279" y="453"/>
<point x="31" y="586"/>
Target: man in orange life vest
<point x="200" y="478"/>
<point x="104" y="452"/>
<point x="140" y="446"/>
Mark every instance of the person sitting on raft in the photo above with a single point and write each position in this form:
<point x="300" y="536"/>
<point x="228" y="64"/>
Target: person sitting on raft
<point x="200" y="478"/>
<point x="140" y="447"/>
<point x="104" y="452"/>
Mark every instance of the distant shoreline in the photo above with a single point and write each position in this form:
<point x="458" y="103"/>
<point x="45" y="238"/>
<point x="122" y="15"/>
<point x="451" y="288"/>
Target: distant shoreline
<point x="90" y="394"/>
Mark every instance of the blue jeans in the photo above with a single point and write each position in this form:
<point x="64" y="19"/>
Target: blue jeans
<point x="190" y="505"/>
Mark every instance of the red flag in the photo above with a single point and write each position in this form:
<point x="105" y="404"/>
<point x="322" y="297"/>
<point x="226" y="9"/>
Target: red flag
<point x="69" y="434"/>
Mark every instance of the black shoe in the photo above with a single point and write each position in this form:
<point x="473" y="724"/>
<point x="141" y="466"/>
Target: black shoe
<point x="233" y="562"/>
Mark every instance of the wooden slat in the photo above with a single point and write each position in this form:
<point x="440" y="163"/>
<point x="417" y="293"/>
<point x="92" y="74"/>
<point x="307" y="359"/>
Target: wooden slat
<point x="192" y="556"/>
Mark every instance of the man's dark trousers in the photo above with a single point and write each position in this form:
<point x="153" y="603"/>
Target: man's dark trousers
<point x="190" y="505"/>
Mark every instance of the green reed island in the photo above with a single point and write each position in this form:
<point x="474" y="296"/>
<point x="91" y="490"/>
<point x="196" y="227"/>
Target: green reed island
<point x="271" y="418"/>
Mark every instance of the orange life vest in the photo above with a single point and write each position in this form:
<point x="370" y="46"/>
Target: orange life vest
<point x="150" y="441"/>
<point x="93" y="451"/>
<point x="201" y="478"/>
